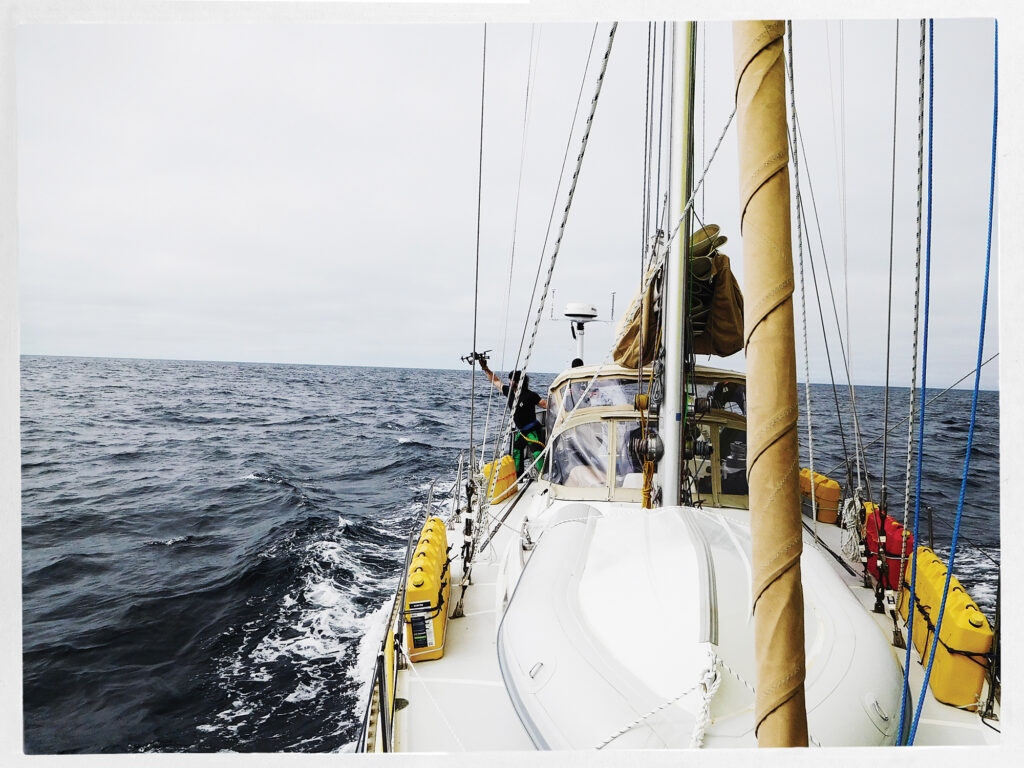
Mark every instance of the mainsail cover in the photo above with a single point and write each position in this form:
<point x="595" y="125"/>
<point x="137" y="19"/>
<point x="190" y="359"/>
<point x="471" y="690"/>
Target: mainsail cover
<point x="721" y="327"/>
<point x="639" y="326"/>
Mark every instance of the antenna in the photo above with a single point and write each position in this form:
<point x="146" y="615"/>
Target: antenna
<point x="579" y="314"/>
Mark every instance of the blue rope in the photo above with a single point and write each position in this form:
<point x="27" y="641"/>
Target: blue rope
<point x="924" y="387"/>
<point x="977" y="382"/>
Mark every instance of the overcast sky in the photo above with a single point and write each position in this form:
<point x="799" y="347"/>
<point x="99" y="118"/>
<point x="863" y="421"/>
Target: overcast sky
<point x="308" y="193"/>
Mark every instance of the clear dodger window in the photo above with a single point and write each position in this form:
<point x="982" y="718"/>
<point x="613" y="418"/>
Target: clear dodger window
<point x="579" y="456"/>
<point x="618" y="390"/>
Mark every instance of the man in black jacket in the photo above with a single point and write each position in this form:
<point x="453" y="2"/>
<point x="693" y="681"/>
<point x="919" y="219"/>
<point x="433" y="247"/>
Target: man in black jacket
<point x="529" y="438"/>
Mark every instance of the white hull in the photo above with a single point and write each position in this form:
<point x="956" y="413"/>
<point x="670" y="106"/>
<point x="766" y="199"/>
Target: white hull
<point x="617" y="611"/>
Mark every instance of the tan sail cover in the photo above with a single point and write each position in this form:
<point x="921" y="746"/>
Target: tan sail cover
<point x="772" y="460"/>
<point x="723" y="334"/>
<point x="642" y="322"/>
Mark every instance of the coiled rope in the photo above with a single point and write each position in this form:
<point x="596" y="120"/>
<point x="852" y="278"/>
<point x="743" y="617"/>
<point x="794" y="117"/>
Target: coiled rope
<point x="708" y="684"/>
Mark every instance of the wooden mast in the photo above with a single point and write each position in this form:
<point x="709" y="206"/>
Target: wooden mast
<point x="772" y="456"/>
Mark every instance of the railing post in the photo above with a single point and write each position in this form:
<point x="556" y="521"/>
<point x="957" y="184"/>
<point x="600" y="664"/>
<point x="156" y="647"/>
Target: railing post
<point x="383" y="709"/>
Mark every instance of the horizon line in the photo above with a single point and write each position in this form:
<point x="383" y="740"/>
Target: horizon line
<point x="398" y="368"/>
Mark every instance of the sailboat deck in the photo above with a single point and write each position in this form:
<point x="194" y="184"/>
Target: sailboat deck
<point x="939" y="724"/>
<point x="458" y="702"/>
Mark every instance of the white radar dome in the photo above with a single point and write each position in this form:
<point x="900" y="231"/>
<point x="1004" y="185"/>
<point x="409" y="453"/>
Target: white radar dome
<point x="579" y="312"/>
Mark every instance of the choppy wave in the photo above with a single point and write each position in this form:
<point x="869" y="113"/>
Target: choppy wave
<point x="209" y="549"/>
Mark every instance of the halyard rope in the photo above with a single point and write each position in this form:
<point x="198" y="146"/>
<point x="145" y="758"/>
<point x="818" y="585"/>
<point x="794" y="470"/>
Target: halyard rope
<point x="803" y="295"/>
<point x="924" y="381"/>
<point x="917" y="297"/>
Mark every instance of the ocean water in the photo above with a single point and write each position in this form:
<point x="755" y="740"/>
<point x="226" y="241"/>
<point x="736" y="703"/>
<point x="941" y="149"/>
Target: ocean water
<point x="208" y="548"/>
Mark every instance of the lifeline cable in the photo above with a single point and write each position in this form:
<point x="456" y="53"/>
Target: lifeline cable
<point x="977" y="384"/>
<point x="931" y="400"/>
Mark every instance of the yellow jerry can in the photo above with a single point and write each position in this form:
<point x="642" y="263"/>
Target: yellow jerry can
<point x="965" y="638"/>
<point x="505" y="480"/>
<point x="826" y="494"/>
<point x="427" y="591"/>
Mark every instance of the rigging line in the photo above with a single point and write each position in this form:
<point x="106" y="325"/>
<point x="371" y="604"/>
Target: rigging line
<point x="504" y="427"/>
<point x="645" y="213"/>
<point x="828" y="354"/>
<point x="924" y="380"/>
<point x="888" y="327"/>
<point x="803" y="294"/>
<point x="652" y="43"/>
<point x="512" y="403"/>
<point x="835" y="311"/>
<point x="703" y="101"/>
<point x="656" y="263"/>
<point x="817" y="293"/>
<point x="558" y="187"/>
<point x="700" y="182"/>
<point x="843" y="219"/>
<point x="646" y="191"/>
<point x="661" y="108"/>
<point x="527" y="103"/>
<point x="476" y="273"/>
<point x="977" y="381"/>
<point x="900" y="423"/>
<point x="848" y="352"/>
<point x="917" y="296"/>
<point x="982" y="549"/>
<point x="565" y="212"/>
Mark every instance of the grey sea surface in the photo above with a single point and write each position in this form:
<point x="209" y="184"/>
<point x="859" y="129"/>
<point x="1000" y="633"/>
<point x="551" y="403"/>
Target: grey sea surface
<point x="209" y="548"/>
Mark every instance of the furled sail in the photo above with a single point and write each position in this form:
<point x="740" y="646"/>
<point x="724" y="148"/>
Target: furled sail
<point x="716" y="307"/>
<point x="639" y="328"/>
<point x="773" y="466"/>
